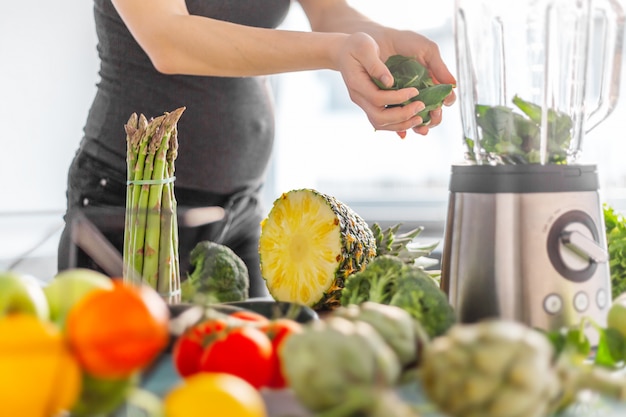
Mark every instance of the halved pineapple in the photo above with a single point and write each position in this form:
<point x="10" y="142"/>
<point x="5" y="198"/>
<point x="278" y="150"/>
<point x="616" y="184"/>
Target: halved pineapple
<point x="310" y="243"/>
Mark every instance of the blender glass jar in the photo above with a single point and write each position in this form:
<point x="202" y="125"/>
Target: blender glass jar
<point x="535" y="76"/>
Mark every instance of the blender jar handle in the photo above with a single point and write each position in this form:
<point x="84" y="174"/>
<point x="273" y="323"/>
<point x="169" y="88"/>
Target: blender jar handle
<point x="613" y="16"/>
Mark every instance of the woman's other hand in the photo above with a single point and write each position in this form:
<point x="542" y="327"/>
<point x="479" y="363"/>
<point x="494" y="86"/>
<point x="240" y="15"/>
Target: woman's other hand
<point x="361" y="59"/>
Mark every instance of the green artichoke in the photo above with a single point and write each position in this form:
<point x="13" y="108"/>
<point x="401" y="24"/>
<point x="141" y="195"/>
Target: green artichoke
<point x="338" y="364"/>
<point x="493" y="368"/>
<point x="398" y="328"/>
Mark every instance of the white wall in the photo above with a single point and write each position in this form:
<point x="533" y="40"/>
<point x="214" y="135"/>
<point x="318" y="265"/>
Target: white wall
<point x="48" y="70"/>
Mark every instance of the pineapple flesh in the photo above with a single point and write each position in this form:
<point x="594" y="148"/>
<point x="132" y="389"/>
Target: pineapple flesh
<point x="310" y="244"/>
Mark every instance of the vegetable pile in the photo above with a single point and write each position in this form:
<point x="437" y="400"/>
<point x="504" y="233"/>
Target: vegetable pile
<point x="352" y="362"/>
<point x="151" y="228"/>
<point x="509" y="137"/>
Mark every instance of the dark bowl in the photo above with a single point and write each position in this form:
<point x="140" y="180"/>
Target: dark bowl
<point x="185" y="315"/>
<point x="273" y="309"/>
<point x="268" y="308"/>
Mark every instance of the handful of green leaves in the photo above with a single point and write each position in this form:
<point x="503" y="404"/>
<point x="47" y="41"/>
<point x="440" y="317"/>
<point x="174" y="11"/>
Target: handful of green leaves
<point x="408" y="72"/>
<point x="513" y="138"/>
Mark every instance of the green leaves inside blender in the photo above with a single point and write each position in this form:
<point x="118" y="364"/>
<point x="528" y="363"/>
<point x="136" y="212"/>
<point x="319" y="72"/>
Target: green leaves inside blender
<point x="515" y="138"/>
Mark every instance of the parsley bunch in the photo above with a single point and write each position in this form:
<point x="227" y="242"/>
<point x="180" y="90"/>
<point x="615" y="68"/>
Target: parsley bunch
<point x="615" y="224"/>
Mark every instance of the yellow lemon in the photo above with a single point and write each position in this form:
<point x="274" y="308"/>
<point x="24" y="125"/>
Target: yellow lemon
<point x="214" y="394"/>
<point x="40" y="377"/>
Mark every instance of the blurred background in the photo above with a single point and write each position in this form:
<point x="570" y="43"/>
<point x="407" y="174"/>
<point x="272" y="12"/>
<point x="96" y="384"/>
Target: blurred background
<point x="48" y="75"/>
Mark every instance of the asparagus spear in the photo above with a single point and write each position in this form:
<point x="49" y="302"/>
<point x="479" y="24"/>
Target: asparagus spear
<point x="155" y="214"/>
<point x="135" y="160"/>
<point x="148" y="148"/>
<point x="131" y="128"/>
<point x="153" y="192"/>
<point x="169" y="272"/>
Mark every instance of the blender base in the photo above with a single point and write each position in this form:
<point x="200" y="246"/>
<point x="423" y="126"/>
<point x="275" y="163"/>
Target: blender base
<point x="526" y="243"/>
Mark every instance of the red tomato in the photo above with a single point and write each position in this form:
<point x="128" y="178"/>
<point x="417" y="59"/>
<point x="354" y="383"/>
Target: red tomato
<point x="248" y="315"/>
<point x="278" y="330"/>
<point x="243" y="351"/>
<point x="189" y="347"/>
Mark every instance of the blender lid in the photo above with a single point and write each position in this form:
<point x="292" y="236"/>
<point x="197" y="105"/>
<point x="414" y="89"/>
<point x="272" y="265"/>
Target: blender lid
<point x="527" y="178"/>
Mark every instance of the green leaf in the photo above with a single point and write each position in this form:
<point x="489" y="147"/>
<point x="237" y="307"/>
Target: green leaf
<point x="569" y="340"/>
<point x="515" y="138"/>
<point x="611" y="348"/>
<point x="407" y="72"/>
<point x="577" y="342"/>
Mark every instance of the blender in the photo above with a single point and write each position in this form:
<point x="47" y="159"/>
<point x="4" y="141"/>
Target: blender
<point x="524" y="236"/>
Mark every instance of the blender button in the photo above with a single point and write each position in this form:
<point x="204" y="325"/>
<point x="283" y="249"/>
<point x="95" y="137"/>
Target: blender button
<point x="601" y="298"/>
<point x="553" y="303"/>
<point x="581" y="301"/>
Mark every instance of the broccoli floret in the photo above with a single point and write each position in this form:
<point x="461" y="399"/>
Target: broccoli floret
<point x="417" y="293"/>
<point x="388" y="280"/>
<point x="375" y="283"/>
<point x="216" y="274"/>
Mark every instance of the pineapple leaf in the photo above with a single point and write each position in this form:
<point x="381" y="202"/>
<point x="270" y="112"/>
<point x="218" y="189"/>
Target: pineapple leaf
<point x="389" y="242"/>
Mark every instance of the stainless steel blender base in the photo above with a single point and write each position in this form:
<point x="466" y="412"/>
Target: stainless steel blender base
<point x="535" y="257"/>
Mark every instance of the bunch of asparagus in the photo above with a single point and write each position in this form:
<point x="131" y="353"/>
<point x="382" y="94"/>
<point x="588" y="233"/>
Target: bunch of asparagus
<point x="151" y="225"/>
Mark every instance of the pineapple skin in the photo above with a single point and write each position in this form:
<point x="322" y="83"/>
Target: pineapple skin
<point x="356" y="242"/>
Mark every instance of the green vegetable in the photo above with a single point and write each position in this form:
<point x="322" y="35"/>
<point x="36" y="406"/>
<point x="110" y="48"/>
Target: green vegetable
<point x="503" y="368"/>
<point x="388" y="280"/>
<point x="150" y="234"/>
<point x="615" y="225"/>
<point x="101" y="397"/>
<point x="433" y="98"/>
<point x="492" y="368"/>
<point x="408" y="72"/>
<point x="216" y="274"/>
<point x="397" y="327"/>
<point x="513" y="138"/>
<point x="341" y="368"/>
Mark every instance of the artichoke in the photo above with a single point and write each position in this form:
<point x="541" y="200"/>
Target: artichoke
<point x="338" y="364"/>
<point x="398" y="328"/>
<point x="493" y="368"/>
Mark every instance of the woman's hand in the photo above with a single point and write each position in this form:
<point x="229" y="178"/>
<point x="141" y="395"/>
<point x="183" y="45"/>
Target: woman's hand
<point x="362" y="58"/>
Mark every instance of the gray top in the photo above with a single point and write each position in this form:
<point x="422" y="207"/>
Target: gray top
<point x="523" y="178"/>
<point x="227" y="130"/>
